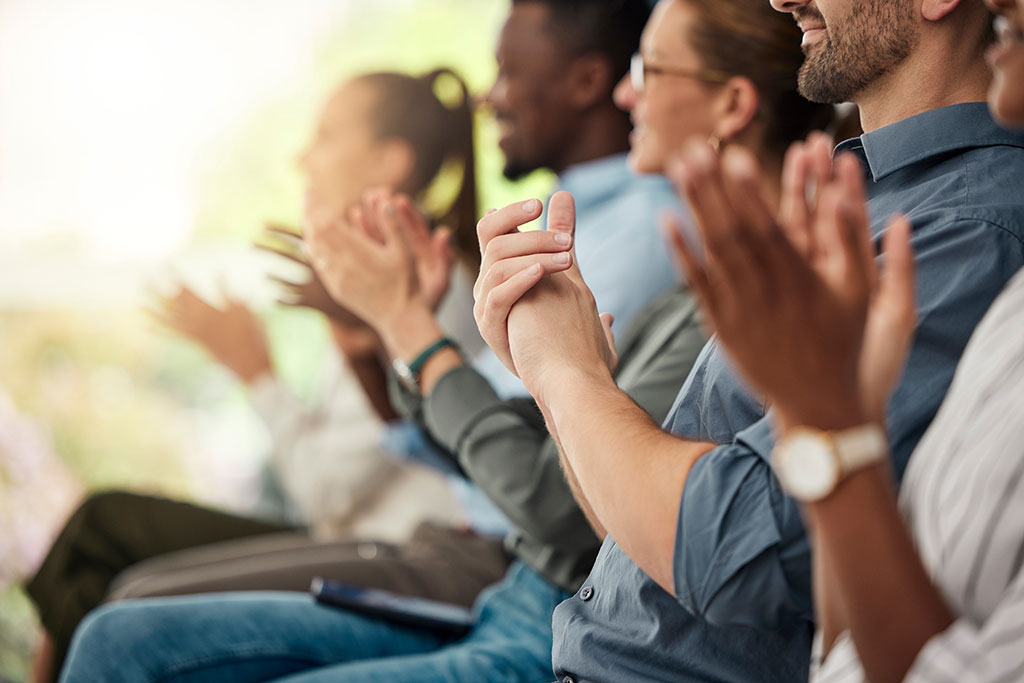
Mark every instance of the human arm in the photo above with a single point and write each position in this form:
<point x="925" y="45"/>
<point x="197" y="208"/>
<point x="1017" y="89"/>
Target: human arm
<point x="351" y="335"/>
<point x="554" y="339"/>
<point x="827" y="369"/>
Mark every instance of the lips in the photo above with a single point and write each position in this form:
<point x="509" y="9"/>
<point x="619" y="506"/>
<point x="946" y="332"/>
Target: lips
<point x="813" y="32"/>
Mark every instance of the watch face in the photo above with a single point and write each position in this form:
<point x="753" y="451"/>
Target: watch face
<point x="808" y="468"/>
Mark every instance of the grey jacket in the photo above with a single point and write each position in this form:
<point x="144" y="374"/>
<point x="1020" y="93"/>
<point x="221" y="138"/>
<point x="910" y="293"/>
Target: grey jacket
<point x="504" y="446"/>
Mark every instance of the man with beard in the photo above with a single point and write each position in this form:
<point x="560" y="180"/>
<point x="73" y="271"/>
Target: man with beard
<point x="697" y="512"/>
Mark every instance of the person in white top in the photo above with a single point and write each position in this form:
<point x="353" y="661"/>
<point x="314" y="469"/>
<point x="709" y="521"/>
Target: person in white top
<point x="930" y="587"/>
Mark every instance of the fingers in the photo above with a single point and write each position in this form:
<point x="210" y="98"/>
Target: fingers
<point x="506" y="269"/>
<point x="283" y="253"/>
<point x="728" y="243"/>
<point x="523" y="244"/>
<point x="854" y="233"/>
<point x="794" y="210"/>
<point x="492" y="311"/>
<point x="898" y="279"/>
<point x="506" y="220"/>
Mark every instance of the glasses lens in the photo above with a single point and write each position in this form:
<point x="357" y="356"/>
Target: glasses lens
<point x="636" y="72"/>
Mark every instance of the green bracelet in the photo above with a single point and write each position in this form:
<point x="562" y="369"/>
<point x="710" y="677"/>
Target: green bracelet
<point x="416" y="366"/>
<point x="410" y="373"/>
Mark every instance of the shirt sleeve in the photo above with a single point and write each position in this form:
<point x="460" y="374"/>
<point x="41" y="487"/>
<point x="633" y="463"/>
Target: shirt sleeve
<point x="504" y="447"/>
<point x="741" y="556"/>
<point x="967" y="652"/>
<point x="326" y="456"/>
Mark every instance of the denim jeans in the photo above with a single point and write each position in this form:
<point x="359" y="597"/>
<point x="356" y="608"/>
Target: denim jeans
<point x="288" y="637"/>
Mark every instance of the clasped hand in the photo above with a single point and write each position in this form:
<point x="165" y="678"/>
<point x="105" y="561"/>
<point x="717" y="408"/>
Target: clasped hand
<point x="532" y="305"/>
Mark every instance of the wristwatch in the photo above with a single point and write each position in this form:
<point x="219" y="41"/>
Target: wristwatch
<point x="409" y="373"/>
<point x="810" y="463"/>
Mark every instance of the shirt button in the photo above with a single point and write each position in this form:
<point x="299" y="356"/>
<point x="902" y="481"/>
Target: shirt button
<point x="586" y="593"/>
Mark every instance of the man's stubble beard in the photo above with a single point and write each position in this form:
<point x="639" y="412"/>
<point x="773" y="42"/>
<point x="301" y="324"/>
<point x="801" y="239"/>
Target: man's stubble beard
<point x="875" y="37"/>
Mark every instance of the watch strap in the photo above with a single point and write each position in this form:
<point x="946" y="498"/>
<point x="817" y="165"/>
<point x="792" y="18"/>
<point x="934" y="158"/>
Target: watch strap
<point x="859" y="447"/>
<point x="409" y="373"/>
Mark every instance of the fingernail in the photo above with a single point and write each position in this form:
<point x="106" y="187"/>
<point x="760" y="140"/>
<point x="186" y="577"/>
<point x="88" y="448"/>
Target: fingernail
<point x="535" y="269"/>
<point x="490" y="211"/>
<point x="531" y="205"/>
<point x="563" y="239"/>
<point x="561" y="259"/>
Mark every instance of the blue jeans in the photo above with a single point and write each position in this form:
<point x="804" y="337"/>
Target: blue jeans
<point x="288" y="637"/>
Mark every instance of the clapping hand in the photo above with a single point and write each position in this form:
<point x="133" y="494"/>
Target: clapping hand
<point x="532" y="305"/>
<point x="233" y="334"/>
<point x="797" y="300"/>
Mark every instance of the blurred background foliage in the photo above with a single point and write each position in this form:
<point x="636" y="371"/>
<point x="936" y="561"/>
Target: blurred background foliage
<point x="123" y="403"/>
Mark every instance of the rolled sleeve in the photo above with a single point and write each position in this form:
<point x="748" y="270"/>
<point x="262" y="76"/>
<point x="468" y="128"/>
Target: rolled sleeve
<point x="741" y="554"/>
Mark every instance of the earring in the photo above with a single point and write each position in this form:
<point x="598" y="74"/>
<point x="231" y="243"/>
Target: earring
<point x="715" y="142"/>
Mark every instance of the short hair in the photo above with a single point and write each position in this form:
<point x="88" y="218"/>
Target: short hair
<point x="610" y="28"/>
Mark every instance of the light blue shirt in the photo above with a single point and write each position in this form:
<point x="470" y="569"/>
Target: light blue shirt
<point x="619" y="248"/>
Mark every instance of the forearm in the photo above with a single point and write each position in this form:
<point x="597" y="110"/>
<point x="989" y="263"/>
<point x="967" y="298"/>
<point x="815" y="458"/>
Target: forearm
<point x="877" y="573"/>
<point x="574" y="486"/>
<point x="631" y="473"/>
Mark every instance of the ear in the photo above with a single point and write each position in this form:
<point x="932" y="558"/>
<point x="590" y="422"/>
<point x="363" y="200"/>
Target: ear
<point x="589" y="80"/>
<point x="395" y="160"/>
<point x="935" y="10"/>
<point x="735" y="107"/>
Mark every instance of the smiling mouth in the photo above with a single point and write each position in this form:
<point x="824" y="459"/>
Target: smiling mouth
<point x="812" y="33"/>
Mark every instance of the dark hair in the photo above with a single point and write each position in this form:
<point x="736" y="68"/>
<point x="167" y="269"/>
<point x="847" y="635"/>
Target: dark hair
<point x="610" y="28"/>
<point x="411" y="108"/>
<point x="748" y="38"/>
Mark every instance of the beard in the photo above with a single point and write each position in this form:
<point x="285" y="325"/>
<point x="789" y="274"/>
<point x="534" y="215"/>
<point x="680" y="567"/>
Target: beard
<point x="874" y="38"/>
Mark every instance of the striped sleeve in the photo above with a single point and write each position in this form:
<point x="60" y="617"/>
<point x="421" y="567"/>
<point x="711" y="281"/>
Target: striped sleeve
<point x="968" y="653"/>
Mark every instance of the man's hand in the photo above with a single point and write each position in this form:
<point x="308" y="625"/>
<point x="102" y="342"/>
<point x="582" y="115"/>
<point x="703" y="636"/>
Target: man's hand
<point x="551" y="323"/>
<point x="233" y="335"/>
<point x="798" y="302"/>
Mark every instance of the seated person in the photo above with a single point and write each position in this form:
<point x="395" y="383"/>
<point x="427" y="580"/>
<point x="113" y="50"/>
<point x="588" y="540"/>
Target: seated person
<point x="360" y="143"/>
<point x="940" y="598"/>
<point x="706" y="559"/>
<point x="502" y="445"/>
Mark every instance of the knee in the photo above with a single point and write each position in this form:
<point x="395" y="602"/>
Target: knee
<point x="98" y="511"/>
<point x="105" y="636"/>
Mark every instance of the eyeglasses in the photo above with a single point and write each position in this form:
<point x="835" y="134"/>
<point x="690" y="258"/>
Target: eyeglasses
<point x="638" y="70"/>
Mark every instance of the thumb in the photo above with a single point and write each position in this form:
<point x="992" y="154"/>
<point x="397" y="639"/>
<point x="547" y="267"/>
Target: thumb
<point x="562" y="219"/>
<point x="897" y="280"/>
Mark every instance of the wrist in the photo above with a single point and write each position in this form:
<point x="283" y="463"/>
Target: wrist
<point x="410" y="330"/>
<point x="837" y="413"/>
<point x="565" y="387"/>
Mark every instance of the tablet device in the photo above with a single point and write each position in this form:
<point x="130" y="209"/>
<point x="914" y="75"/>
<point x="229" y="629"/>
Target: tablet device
<point x="400" y="609"/>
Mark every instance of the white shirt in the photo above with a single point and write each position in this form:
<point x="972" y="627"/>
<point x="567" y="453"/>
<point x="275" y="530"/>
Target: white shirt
<point x="963" y="499"/>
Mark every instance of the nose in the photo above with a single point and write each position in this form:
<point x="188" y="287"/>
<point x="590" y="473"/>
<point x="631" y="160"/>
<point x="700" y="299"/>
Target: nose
<point x="789" y="5"/>
<point x="624" y="95"/>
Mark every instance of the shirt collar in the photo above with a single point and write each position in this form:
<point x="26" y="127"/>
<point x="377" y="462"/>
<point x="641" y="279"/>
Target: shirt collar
<point x="933" y="133"/>
<point x="593" y="181"/>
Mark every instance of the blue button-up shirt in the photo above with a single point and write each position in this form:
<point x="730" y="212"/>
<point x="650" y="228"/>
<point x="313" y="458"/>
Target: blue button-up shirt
<point x="618" y="247"/>
<point x="742" y="563"/>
